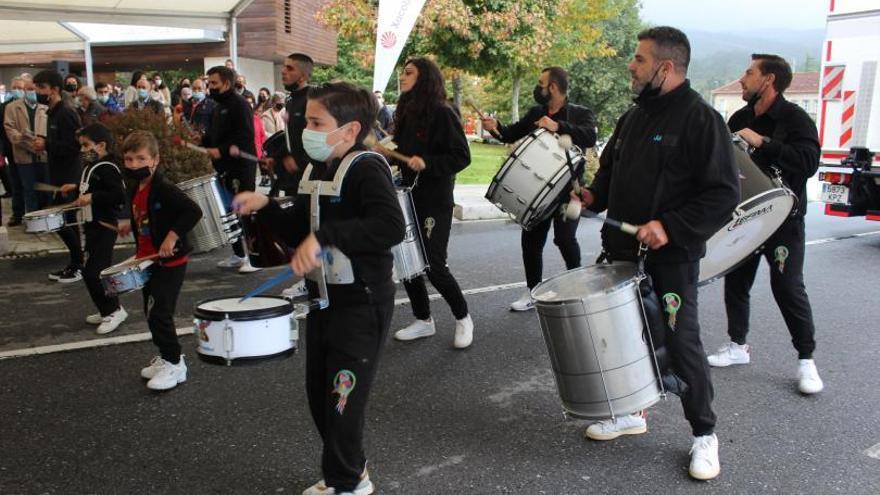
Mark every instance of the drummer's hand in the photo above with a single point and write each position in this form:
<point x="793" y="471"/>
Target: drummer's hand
<point x="214" y="153"/>
<point x="652" y="234"/>
<point x="124" y="228"/>
<point x="416" y="163"/>
<point x="754" y="139"/>
<point x="84" y="200"/>
<point x="489" y="124"/>
<point x="547" y="123"/>
<point x="307" y="256"/>
<point x="246" y="202"/>
<point x="290" y="164"/>
<point x="267" y="164"/>
<point x="66" y="188"/>
<point x="166" y="250"/>
<point x="586" y="198"/>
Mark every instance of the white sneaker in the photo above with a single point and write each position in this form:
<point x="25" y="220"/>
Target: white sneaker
<point x="609" y="429"/>
<point x="112" y="321"/>
<point x="150" y="371"/>
<point x="231" y="262"/>
<point x="364" y="487"/>
<point x="95" y="319"/>
<point x="524" y="303"/>
<point x="704" y="458"/>
<point x="247" y="267"/>
<point x="168" y="376"/>
<point x="464" y="333"/>
<point x="416" y="330"/>
<point x="808" y="377"/>
<point x="730" y="353"/>
<point x="296" y="290"/>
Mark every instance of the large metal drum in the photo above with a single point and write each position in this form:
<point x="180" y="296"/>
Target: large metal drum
<point x="217" y="227"/>
<point x="410" y="260"/>
<point x="595" y="333"/>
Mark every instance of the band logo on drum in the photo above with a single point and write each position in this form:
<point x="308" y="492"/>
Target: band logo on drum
<point x="343" y="384"/>
<point x="199" y="330"/>
<point x="751" y="216"/>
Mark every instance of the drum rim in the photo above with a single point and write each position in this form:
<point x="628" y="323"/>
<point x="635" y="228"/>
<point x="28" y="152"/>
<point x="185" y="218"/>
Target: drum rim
<point x="584" y="268"/>
<point x="41" y="214"/>
<point x="248" y="315"/>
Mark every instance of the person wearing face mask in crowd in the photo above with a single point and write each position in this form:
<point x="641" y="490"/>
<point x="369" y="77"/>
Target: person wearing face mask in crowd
<point x="161" y="216"/>
<point x="24" y="119"/>
<point x="231" y="131"/>
<point x="263" y="102"/>
<point x="90" y="109"/>
<point x="184" y="99"/>
<point x="104" y="96"/>
<point x="274" y="117"/>
<point x="144" y="99"/>
<point x="429" y="131"/>
<point x="782" y="137"/>
<point x="71" y="85"/>
<point x="131" y="92"/>
<point x="175" y="95"/>
<point x="259" y="132"/>
<point x="669" y="170"/>
<point x="199" y="109"/>
<point x="344" y="340"/>
<point x="241" y="87"/>
<point x="62" y="146"/>
<point x="160" y="88"/>
<point x="102" y="196"/>
<point x="556" y="114"/>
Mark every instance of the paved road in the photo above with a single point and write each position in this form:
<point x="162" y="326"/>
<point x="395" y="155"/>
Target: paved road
<point x="486" y="420"/>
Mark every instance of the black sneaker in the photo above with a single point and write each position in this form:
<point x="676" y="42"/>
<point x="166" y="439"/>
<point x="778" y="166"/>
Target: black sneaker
<point x="69" y="275"/>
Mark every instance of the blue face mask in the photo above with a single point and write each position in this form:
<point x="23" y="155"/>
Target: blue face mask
<point x="315" y="144"/>
<point x="102" y="99"/>
<point x="30" y="97"/>
<point x="198" y="95"/>
<point x="143" y="94"/>
<point x="17" y="94"/>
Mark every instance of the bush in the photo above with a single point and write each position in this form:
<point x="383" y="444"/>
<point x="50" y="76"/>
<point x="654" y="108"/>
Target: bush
<point x="178" y="162"/>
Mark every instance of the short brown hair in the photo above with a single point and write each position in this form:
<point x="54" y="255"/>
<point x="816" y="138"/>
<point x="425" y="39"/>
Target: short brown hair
<point x="139" y="140"/>
<point x="348" y="103"/>
<point x="776" y="65"/>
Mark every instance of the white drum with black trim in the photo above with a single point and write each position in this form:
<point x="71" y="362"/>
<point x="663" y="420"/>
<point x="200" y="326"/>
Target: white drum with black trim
<point x="766" y="204"/>
<point x="43" y="221"/>
<point x="410" y="260"/>
<point x="530" y="181"/>
<point x="228" y="330"/>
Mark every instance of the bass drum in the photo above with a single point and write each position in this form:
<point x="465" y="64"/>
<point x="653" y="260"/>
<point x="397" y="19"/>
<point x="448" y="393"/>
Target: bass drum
<point x="766" y="204"/>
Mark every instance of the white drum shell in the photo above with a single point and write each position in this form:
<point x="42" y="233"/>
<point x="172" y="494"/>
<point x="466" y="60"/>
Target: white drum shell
<point x="231" y="339"/>
<point x="410" y="260"/>
<point x="217" y="227"/>
<point x="38" y="224"/>
<point x="598" y="348"/>
<point x="117" y="282"/>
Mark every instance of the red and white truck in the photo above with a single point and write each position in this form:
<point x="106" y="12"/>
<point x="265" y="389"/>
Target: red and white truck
<point x="849" y="110"/>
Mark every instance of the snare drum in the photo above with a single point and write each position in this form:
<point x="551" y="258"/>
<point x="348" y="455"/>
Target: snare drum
<point x="410" y="260"/>
<point x="596" y="336"/>
<point x="766" y="204"/>
<point x="42" y="221"/>
<point x="217" y="227"/>
<point x="531" y="180"/>
<point x="125" y="277"/>
<point x="260" y="327"/>
<point x="266" y="248"/>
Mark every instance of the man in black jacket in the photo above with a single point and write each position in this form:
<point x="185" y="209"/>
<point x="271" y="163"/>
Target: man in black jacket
<point x="785" y="141"/>
<point x="554" y="113"/>
<point x="668" y="168"/>
<point x="231" y="131"/>
<point x="290" y="162"/>
<point x="62" y="147"/>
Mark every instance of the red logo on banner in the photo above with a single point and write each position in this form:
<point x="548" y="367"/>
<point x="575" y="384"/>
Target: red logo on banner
<point x="388" y="39"/>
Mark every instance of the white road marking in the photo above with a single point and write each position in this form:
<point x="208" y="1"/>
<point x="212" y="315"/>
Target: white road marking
<point x="142" y="337"/>
<point x="873" y="452"/>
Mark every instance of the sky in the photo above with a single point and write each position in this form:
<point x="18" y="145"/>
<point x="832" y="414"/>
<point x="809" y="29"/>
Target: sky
<point x="736" y="15"/>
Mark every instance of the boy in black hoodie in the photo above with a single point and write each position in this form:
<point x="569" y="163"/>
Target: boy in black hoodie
<point x="360" y="220"/>
<point x="161" y="215"/>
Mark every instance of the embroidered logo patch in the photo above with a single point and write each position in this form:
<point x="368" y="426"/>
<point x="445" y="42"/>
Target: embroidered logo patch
<point x="780" y="255"/>
<point x="673" y="304"/>
<point x="429" y="226"/>
<point x="343" y="384"/>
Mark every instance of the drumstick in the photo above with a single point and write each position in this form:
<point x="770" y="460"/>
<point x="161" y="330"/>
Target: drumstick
<point x="287" y="273"/>
<point x="469" y="102"/>
<point x="110" y="226"/>
<point x="623" y="226"/>
<point x="382" y="129"/>
<point x="370" y="141"/>
<point x="41" y="186"/>
<point x="201" y="149"/>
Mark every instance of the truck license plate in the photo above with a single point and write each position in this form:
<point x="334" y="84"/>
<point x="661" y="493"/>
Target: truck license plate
<point x="835" y="193"/>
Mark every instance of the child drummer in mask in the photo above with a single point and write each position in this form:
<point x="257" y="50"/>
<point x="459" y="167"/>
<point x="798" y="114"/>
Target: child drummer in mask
<point x="102" y="198"/>
<point x="161" y="216"/>
<point x="358" y="224"/>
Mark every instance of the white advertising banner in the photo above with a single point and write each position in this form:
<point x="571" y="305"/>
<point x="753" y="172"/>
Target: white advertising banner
<point x="396" y="20"/>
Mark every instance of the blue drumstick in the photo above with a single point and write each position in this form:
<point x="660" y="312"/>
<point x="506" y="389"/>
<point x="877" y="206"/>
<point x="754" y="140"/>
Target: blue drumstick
<point x="287" y="273"/>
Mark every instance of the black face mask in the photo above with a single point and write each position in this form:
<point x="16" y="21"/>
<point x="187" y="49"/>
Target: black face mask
<point x="71" y="88"/>
<point x="42" y="99"/>
<point x="292" y="87"/>
<point x="279" y="106"/>
<point x="215" y="93"/>
<point x="90" y="156"/>
<point x="649" y="91"/>
<point x="261" y="98"/>
<point x="137" y="174"/>
<point x="539" y="96"/>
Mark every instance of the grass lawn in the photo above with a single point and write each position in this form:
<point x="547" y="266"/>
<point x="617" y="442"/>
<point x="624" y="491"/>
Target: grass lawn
<point x="486" y="159"/>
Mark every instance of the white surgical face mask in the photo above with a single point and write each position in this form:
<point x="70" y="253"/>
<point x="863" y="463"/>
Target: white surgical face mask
<point x="315" y="144"/>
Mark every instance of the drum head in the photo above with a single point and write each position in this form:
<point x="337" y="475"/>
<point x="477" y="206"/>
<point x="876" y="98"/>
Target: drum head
<point x="582" y="282"/>
<point x="255" y="308"/>
<point x="753" y="223"/>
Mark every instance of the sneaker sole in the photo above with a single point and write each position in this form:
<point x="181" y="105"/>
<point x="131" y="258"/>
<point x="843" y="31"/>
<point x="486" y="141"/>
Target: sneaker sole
<point x="179" y="381"/>
<point x="601" y="437"/>
<point x="521" y="310"/>
<point x="68" y="280"/>
<point x="407" y="338"/>
<point x="730" y="363"/>
<point x="704" y="476"/>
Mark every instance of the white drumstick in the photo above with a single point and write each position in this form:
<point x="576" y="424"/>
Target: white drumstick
<point x="623" y="226"/>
